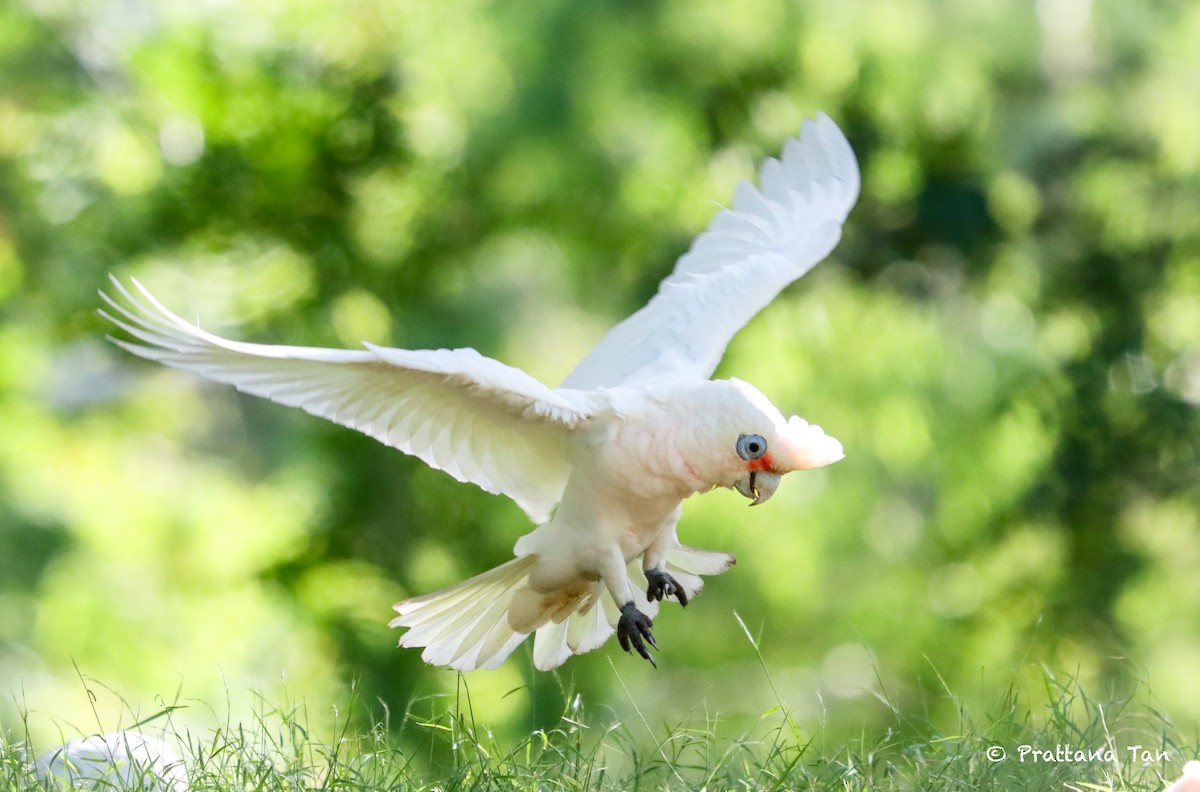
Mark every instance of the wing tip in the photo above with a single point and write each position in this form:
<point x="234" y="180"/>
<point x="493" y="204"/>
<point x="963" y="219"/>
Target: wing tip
<point x="839" y="155"/>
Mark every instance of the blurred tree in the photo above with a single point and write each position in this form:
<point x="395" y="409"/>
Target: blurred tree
<point x="1008" y="339"/>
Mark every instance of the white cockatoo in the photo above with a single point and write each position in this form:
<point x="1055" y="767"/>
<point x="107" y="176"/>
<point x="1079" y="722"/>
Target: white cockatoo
<point x="117" y="761"/>
<point x="602" y="463"/>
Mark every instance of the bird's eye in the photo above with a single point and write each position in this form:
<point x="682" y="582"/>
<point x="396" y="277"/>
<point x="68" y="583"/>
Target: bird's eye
<point x="751" y="446"/>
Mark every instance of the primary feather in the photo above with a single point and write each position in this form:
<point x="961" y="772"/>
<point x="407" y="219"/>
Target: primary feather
<point x="471" y="416"/>
<point x="771" y="237"/>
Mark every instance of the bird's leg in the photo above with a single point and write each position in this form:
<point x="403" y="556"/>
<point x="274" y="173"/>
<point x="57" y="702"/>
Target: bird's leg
<point x="662" y="585"/>
<point x="633" y="629"/>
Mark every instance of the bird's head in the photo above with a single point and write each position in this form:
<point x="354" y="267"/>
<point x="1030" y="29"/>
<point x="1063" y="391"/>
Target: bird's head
<point x="758" y="445"/>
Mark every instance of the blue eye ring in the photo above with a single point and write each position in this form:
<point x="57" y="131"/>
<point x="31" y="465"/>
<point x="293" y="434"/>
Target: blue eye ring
<point x="751" y="446"/>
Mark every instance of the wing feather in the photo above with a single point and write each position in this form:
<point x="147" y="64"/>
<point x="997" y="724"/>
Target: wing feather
<point x="475" y="418"/>
<point x="773" y="235"/>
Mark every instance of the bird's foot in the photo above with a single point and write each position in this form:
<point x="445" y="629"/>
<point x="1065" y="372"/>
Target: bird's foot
<point x="662" y="585"/>
<point x="633" y="629"/>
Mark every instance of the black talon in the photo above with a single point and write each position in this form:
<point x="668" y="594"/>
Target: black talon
<point x="662" y="585"/>
<point x="633" y="629"/>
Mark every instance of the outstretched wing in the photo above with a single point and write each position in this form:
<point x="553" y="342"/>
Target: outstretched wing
<point x="473" y="417"/>
<point x="771" y="236"/>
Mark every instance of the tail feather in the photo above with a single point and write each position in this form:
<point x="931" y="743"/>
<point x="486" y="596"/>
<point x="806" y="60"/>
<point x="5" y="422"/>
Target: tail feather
<point x="550" y="648"/>
<point x="492" y="641"/>
<point x="429" y="613"/>
<point x="466" y="625"/>
<point x="443" y="619"/>
<point x="479" y="628"/>
<point x="589" y="628"/>
<point x="479" y="622"/>
<point x="697" y="562"/>
<point x="497" y="646"/>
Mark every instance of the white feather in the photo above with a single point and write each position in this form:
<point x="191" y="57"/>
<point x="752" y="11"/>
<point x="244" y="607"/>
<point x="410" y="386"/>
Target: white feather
<point x="735" y="268"/>
<point x="550" y="648"/>
<point x="466" y="626"/>
<point x="444" y="406"/>
<point x="695" y="561"/>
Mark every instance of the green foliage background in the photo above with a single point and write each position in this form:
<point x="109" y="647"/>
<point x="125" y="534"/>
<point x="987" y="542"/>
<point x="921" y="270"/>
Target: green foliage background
<point x="1007" y="341"/>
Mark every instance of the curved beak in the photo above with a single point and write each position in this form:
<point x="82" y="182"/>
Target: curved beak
<point x="758" y="485"/>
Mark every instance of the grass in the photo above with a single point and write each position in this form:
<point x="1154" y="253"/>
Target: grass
<point x="277" y="750"/>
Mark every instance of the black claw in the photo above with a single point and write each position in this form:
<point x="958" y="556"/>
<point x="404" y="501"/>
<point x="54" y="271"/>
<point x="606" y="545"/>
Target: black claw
<point x="662" y="585"/>
<point x="633" y="630"/>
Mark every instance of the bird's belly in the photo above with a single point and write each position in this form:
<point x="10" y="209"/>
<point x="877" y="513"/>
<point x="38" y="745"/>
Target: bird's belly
<point x="570" y="552"/>
<point x="635" y="539"/>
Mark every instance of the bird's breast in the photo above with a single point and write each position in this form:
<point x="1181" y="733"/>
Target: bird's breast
<point x="644" y="461"/>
